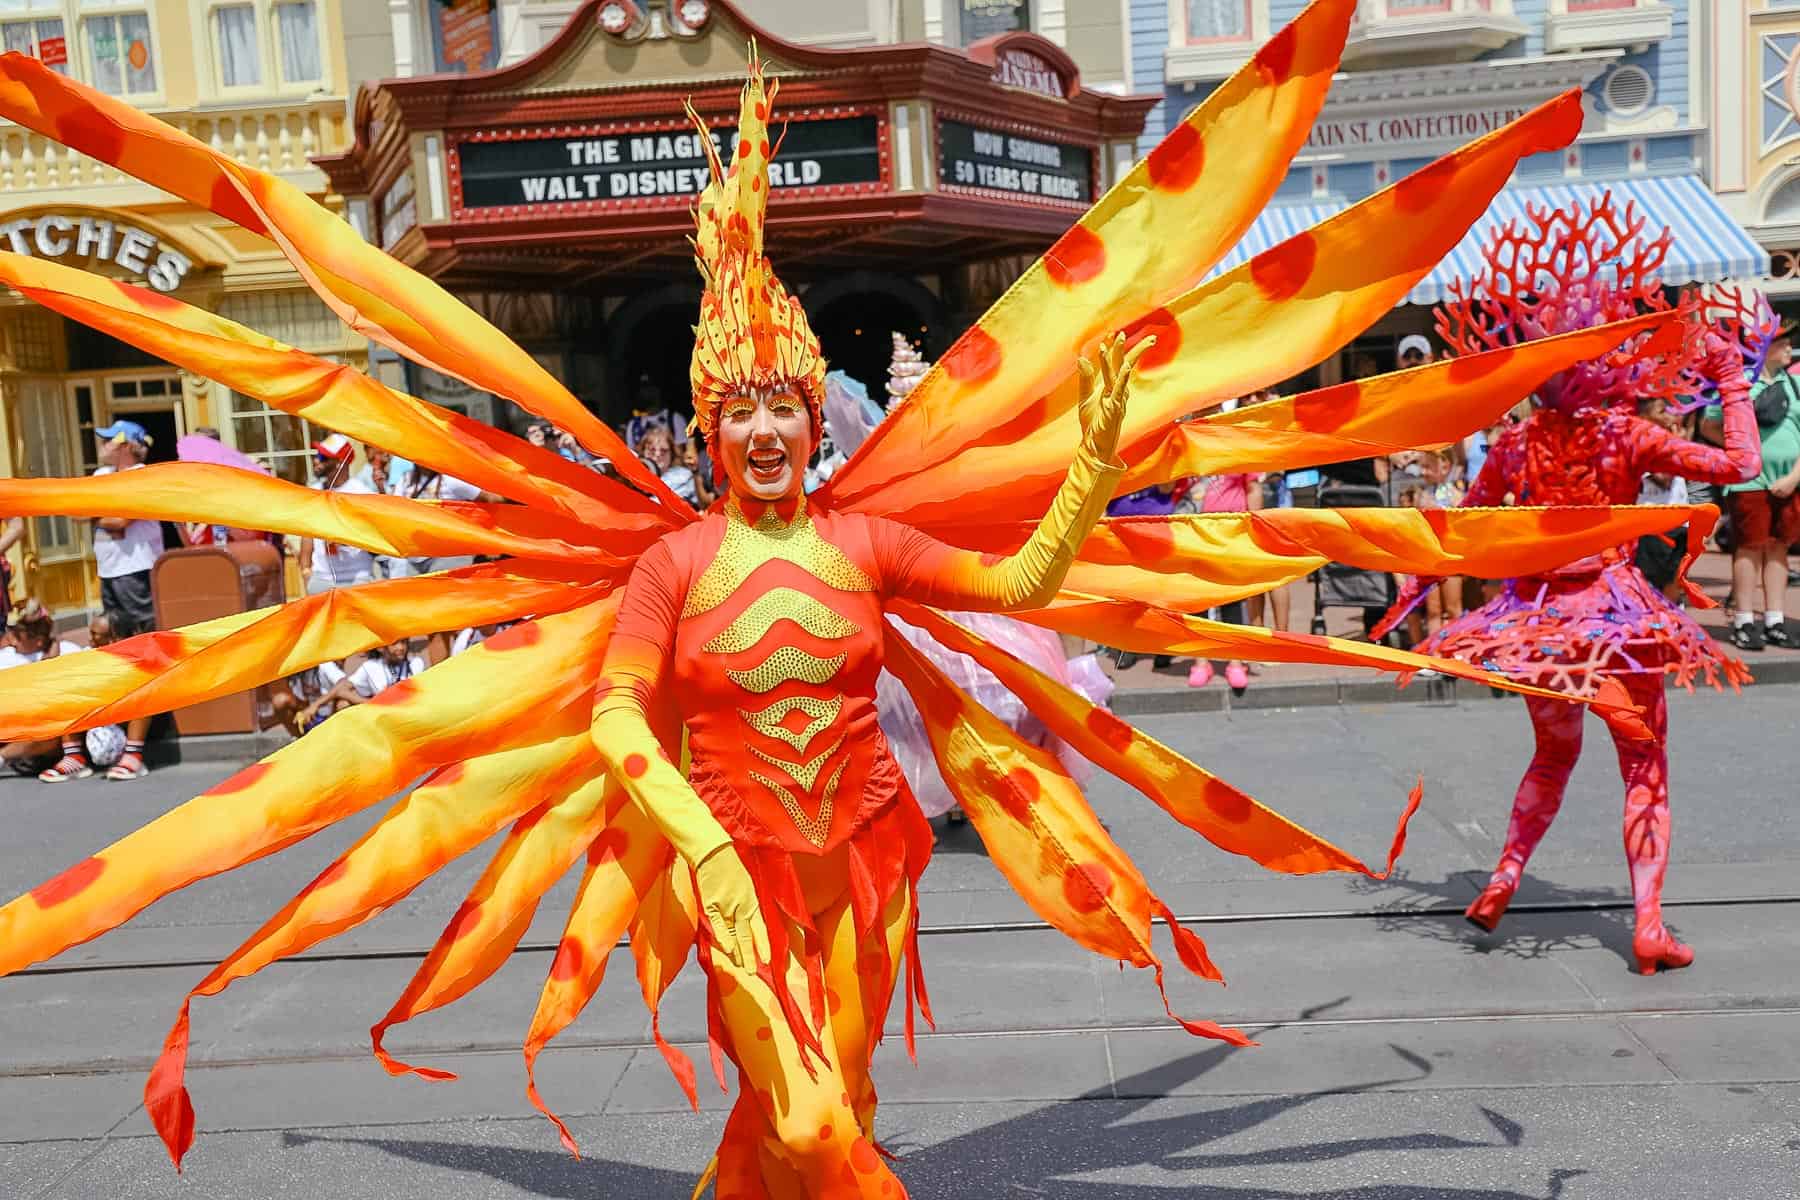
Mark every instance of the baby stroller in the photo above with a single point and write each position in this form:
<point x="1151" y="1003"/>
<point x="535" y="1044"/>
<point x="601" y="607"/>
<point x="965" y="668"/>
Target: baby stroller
<point x="1340" y="586"/>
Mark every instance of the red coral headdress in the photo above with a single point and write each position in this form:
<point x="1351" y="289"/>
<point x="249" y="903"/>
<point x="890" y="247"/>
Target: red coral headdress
<point x="1573" y="268"/>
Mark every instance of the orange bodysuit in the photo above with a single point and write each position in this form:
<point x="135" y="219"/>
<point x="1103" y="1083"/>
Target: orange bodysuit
<point x="760" y="629"/>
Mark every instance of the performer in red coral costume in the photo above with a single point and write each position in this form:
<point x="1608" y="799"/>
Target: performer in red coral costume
<point x="786" y="849"/>
<point x="1569" y="628"/>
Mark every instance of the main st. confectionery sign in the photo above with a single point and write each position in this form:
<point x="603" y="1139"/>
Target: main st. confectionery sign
<point x="603" y="168"/>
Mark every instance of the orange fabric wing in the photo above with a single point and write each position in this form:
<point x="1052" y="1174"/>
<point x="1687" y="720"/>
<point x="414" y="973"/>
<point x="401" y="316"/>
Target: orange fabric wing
<point x="455" y="809"/>
<point x="1041" y="834"/>
<point x="1223" y="815"/>
<point x="170" y="669"/>
<point x="371" y="292"/>
<point x="1208" y="179"/>
<point x="624" y="864"/>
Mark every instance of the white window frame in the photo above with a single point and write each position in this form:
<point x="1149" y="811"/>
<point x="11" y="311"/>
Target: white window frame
<point x="1187" y="61"/>
<point x="1257" y="26"/>
<point x="61" y="416"/>
<point x="47" y="10"/>
<point x="205" y="20"/>
<point x="79" y="12"/>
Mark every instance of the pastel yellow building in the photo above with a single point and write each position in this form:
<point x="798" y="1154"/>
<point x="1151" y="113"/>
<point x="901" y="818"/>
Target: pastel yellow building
<point x="264" y="80"/>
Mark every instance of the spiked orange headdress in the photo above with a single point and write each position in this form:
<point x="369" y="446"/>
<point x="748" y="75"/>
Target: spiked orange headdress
<point x="752" y="333"/>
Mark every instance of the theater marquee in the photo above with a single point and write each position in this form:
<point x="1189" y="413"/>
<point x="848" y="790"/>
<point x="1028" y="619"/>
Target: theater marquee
<point x="592" y="169"/>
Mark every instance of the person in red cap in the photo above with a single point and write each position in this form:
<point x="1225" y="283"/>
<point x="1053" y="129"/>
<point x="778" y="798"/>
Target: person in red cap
<point x="326" y="565"/>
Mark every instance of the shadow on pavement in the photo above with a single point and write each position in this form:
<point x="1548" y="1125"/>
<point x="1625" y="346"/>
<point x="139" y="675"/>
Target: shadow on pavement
<point x="1523" y="934"/>
<point x="1036" y="1153"/>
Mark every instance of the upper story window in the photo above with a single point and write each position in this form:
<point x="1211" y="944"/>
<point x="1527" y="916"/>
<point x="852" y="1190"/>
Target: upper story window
<point x="1218" y="21"/>
<point x="465" y="34"/>
<point x="978" y="19"/>
<point x="265" y="44"/>
<point x="117" y="48"/>
<point x="35" y="27"/>
<point x="1420" y="8"/>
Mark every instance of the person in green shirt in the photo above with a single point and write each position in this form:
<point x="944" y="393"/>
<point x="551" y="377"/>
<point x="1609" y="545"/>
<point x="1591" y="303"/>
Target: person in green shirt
<point x="1765" y="516"/>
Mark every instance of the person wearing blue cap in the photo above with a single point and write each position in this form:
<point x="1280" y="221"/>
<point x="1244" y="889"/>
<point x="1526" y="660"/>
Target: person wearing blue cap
<point x="124" y="552"/>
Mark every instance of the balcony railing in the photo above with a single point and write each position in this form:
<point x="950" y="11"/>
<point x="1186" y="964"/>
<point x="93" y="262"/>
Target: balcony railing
<point x="1400" y="31"/>
<point x="280" y="138"/>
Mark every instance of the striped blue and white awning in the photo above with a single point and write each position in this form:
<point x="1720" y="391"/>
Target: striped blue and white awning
<point x="1709" y="246"/>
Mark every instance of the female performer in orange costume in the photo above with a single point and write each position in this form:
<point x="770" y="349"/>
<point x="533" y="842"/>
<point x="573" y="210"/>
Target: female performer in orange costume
<point x="788" y="850"/>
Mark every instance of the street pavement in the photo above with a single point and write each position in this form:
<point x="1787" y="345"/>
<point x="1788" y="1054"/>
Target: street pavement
<point x="1403" y="1055"/>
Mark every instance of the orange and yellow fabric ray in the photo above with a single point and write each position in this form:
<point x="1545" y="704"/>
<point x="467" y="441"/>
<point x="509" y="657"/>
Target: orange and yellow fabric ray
<point x="1426" y="406"/>
<point x="1225" y="816"/>
<point x="1208" y="179"/>
<point x="662" y="936"/>
<point x="392" y="525"/>
<point x="333" y="395"/>
<point x="1256" y="325"/>
<point x="1147" y="629"/>
<point x="371" y="292"/>
<point x="624" y="864"/>
<point x="539" y="850"/>
<point x="170" y="669"/>
<point x="1192" y="562"/>
<point x="452" y="811"/>
<point x="1041" y="834"/>
<point x="350" y="762"/>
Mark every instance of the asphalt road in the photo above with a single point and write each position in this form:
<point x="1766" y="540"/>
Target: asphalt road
<point x="1403" y="1055"/>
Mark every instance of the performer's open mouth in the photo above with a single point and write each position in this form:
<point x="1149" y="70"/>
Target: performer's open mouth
<point x="766" y="465"/>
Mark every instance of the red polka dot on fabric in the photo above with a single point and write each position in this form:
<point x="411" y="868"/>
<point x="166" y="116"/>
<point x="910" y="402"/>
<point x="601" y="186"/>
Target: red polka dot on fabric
<point x="397" y="695"/>
<point x="636" y="765"/>
<point x="825" y="1132"/>
<point x="764" y="1033"/>
<point x="1276" y="59"/>
<point x="1114" y="733"/>
<point x="1327" y="409"/>
<point x="974" y="358"/>
<point x="526" y="634"/>
<point x="1086" y="887"/>
<point x="1471" y="367"/>
<point x="1163" y="326"/>
<point x="743" y="150"/>
<point x="1019" y="790"/>
<point x="1281" y="271"/>
<point x="1175" y="164"/>
<point x="68" y="885"/>
<point x="1078" y="256"/>
<point x="863" y="1156"/>
<point x="568" y="961"/>
<point x="242" y="781"/>
<point x="1419" y="191"/>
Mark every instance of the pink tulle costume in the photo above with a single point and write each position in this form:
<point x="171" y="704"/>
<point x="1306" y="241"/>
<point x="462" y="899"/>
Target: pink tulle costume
<point x="1584" y="445"/>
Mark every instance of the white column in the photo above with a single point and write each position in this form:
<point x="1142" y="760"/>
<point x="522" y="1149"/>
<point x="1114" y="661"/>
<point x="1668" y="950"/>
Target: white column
<point x="1053" y="21"/>
<point x="934" y="21"/>
<point x="406" y="28"/>
<point x="513" y="32"/>
<point x="1730" y="61"/>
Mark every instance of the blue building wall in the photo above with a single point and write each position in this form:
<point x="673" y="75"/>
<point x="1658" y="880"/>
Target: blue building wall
<point x="1149" y="38"/>
<point x="1666" y="62"/>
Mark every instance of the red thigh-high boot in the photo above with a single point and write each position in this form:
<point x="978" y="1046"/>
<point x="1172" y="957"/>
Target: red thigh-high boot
<point x="1557" y="726"/>
<point x="1645" y="768"/>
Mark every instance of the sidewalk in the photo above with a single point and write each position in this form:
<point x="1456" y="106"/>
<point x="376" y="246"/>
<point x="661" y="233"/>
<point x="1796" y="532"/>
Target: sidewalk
<point x="1143" y="689"/>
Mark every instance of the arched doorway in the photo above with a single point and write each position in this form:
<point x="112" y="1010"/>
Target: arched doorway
<point x="649" y="345"/>
<point x="857" y="313"/>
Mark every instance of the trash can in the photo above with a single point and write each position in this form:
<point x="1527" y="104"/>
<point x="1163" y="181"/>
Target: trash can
<point x="203" y="582"/>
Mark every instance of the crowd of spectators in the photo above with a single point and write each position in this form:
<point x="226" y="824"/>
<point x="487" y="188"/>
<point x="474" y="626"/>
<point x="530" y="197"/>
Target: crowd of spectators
<point x="1760" y="522"/>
